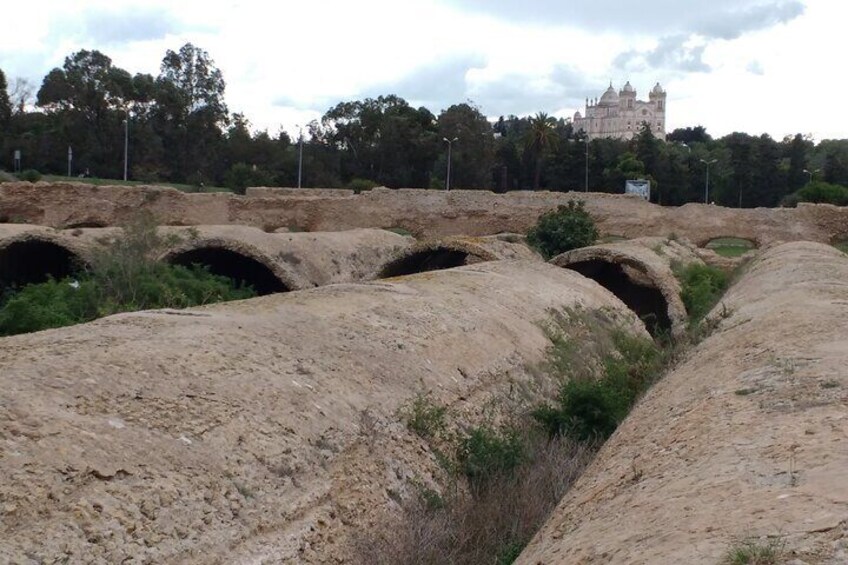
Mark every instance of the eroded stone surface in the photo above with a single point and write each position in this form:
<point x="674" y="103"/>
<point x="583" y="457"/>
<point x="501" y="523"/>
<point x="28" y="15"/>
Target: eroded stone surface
<point x="747" y="437"/>
<point x="425" y="213"/>
<point x="264" y="429"/>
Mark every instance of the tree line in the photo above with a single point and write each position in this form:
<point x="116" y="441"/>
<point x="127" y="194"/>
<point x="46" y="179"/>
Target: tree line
<point x="180" y="130"/>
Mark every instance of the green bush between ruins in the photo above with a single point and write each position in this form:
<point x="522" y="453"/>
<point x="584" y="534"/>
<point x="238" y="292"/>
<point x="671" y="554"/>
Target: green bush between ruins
<point x="122" y="277"/>
<point x="701" y="288"/>
<point x="515" y="473"/>
<point x="566" y="228"/>
<point x="589" y="407"/>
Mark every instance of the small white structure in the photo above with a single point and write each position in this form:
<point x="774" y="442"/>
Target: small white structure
<point x="620" y="115"/>
<point x="638" y="187"/>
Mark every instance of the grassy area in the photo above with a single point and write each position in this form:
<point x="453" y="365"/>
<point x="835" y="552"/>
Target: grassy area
<point x="611" y="239"/>
<point x="731" y="246"/>
<point x="842" y="246"/>
<point x="118" y="182"/>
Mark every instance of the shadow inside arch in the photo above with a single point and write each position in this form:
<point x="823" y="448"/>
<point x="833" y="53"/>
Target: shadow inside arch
<point x="33" y="260"/>
<point x="631" y="287"/>
<point x="243" y="269"/>
<point x="426" y="260"/>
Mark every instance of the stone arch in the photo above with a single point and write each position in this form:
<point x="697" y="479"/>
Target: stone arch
<point x="704" y="242"/>
<point x="88" y="224"/>
<point x="638" y="278"/>
<point x="434" y="256"/>
<point x="33" y="258"/>
<point x="234" y="260"/>
<point x="743" y="244"/>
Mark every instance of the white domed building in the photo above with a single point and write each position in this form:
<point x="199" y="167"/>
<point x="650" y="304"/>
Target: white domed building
<point x="620" y="115"/>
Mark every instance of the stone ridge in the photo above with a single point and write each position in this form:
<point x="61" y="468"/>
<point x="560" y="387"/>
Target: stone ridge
<point x="424" y="213"/>
<point x="259" y="430"/>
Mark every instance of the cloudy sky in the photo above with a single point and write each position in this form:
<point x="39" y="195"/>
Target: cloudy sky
<point x="730" y="65"/>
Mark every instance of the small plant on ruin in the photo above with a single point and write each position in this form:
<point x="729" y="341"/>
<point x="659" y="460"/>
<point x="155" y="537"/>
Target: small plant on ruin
<point x="701" y="287"/>
<point x="755" y="552"/>
<point x="424" y="416"/>
<point x="485" y="453"/>
<point x="566" y="228"/>
<point x="591" y="407"/>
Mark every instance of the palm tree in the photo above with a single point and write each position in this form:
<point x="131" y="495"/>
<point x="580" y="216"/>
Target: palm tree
<point x="541" y="137"/>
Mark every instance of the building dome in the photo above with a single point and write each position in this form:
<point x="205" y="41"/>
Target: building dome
<point x="628" y="88"/>
<point x="610" y="98"/>
<point x="577" y="116"/>
<point x="657" y="89"/>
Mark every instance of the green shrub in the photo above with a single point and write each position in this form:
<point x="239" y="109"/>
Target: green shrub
<point x="485" y="453"/>
<point x="425" y="417"/>
<point x="69" y="301"/>
<point x="122" y="277"/>
<point x="823" y="192"/>
<point x="241" y="175"/>
<point x="590" y="408"/>
<point x="566" y="228"/>
<point x="753" y="552"/>
<point x="701" y="287"/>
<point x="51" y="304"/>
<point x="361" y="185"/>
<point x="30" y="175"/>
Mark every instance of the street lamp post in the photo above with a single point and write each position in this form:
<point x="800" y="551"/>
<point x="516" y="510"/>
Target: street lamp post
<point x="811" y="173"/>
<point x="450" y="145"/>
<point x="300" y="156"/>
<point x="707" y="184"/>
<point x="70" y="159"/>
<point x="126" y="143"/>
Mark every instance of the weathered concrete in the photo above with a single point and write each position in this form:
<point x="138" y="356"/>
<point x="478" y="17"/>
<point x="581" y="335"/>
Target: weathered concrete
<point x="425" y="213"/>
<point x="747" y="437"/>
<point x="639" y="272"/>
<point x="258" y="430"/>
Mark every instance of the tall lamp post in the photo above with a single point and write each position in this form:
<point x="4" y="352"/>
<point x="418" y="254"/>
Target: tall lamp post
<point x="811" y="173"/>
<point x="707" y="184"/>
<point x="299" y="156"/>
<point x="450" y="145"/>
<point x="126" y="143"/>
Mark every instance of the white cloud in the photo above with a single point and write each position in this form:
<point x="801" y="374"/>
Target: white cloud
<point x="286" y="63"/>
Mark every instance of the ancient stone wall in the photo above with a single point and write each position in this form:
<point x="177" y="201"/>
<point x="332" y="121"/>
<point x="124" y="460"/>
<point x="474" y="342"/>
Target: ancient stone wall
<point x="425" y="213"/>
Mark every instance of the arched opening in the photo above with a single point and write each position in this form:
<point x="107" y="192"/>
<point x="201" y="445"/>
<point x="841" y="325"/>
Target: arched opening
<point x="425" y="260"/>
<point x="730" y="246"/>
<point x="231" y="264"/>
<point x="30" y="261"/>
<point x="80" y="225"/>
<point x="632" y="288"/>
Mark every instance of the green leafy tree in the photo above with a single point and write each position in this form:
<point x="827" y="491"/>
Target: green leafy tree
<point x="566" y="228"/>
<point x="540" y="139"/>
<point x="796" y="150"/>
<point x="472" y="158"/>
<point x="190" y="114"/>
<point x="5" y="103"/>
<point x="382" y="139"/>
<point x="86" y="101"/>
